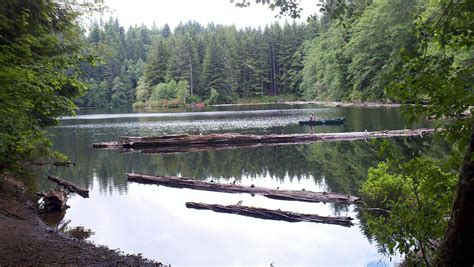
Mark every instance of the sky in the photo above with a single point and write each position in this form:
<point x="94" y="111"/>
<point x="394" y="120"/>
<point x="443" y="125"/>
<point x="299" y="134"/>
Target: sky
<point x="137" y="12"/>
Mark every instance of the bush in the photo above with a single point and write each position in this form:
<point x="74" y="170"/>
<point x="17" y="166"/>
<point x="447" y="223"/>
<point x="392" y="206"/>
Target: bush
<point x="173" y="103"/>
<point x="170" y="94"/>
<point x="139" y="105"/>
<point x="182" y="90"/>
<point x="214" y="95"/>
<point x="193" y="99"/>
<point x="415" y="198"/>
<point x="164" y="91"/>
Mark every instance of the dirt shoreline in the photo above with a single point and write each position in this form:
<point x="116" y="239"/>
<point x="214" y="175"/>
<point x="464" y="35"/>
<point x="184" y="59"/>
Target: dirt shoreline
<point x="26" y="240"/>
<point x="323" y="103"/>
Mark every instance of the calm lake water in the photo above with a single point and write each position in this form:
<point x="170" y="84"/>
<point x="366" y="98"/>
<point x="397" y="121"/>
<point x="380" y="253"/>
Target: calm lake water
<point x="153" y="220"/>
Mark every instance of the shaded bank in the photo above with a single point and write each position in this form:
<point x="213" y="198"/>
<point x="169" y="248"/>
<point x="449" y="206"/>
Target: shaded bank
<point x="26" y="240"/>
<point x="322" y="103"/>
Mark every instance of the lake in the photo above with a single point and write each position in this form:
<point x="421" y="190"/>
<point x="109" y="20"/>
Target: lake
<point x="154" y="221"/>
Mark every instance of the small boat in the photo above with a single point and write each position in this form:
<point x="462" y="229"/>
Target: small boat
<point x="336" y="121"/>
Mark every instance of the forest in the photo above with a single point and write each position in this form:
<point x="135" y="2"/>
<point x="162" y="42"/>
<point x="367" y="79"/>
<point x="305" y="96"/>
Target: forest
<point x="192" y="63"/>
<point x="418" y="53"/>
<point x="322" y="59"/>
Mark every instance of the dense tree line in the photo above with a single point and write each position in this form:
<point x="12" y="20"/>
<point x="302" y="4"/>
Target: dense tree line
<point x="112" y="80"/>
<point x="323" y="59"/>
<point x="234" y="62"/>
<point x="353" y="60"/>
<point x="419" y="52"/>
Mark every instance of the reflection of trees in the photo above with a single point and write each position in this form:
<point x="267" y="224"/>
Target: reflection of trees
<point x="342" y="166"/>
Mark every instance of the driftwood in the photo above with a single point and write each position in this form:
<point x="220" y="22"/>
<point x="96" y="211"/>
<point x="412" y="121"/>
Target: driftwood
<point x="70" y="187"/>
<point x="189" y="143"/>
<point x="267" y="214"/>
<point x="295" y="195"/>
<point x="54" y="200"/>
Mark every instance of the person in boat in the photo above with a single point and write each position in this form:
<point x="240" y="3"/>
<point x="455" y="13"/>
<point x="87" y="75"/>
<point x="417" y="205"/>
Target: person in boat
<point x="311" y="117"/>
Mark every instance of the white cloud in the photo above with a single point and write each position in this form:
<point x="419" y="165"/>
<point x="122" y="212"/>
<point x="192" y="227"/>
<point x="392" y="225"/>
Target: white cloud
<point x="173" y="12"/>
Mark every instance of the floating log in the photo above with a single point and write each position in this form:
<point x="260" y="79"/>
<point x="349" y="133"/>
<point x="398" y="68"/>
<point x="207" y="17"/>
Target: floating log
<point x="54" y="200"/>
<point x="295" y="195"/>
<point x="83" y="192"/>
<point x="278" y="215"/>
<point x="187" y="143"/>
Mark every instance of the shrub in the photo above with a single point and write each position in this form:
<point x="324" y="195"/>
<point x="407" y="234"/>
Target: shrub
<point x="415" y="199"/>
<point x="214" y="95"/>
<point x="164" y="91"/>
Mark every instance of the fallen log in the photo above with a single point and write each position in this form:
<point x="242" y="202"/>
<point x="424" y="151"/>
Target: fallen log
<point x="70" y="187"/>
<point x="266" y="214"/>
<point x="190" y="143"/>
<point x="294" y="195"/>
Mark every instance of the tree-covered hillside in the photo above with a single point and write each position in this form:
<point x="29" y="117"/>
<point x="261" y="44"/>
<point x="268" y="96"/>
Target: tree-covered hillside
<point x="323" y="59"/>
<point x="234" y="62"/>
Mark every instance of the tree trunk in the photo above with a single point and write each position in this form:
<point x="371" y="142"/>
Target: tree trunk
<point x="458" y="246"/>
<point x="191" y="76"/>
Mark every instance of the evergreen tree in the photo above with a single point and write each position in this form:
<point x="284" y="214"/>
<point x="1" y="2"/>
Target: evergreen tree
<point x="217" y="71"/>
<point x="157" y="62"/>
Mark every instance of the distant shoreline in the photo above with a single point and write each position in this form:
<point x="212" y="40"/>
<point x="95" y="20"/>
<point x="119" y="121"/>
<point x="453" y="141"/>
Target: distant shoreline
<point x="323" y="103"/>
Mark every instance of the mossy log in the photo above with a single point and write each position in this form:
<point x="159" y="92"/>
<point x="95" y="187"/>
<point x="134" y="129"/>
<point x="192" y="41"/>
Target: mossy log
<point x="278" y="215"/>
<point x="294" y="195"/>
<point x="191" y="143"/>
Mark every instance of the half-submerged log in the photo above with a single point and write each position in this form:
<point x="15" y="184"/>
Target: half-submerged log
<point x="190" y="143"/>
<point x="294" y="195"/>
<point x="70" y="187"/>
<point x="278" y="215"/>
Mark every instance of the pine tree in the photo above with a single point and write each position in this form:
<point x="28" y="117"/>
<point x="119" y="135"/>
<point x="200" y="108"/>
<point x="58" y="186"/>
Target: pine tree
<point x="157" y="62"/>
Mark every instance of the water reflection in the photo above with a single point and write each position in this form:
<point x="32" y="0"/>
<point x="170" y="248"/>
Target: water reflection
<point x="106" y="127"/>
<point x="56" y="221"/>
<point x="342" y="165"/>
<point x="153" y="220"/>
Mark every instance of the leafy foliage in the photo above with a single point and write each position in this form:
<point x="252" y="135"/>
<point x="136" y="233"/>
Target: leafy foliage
<point x="438" y="73"/>
<point x="355" y="60"/>
<point x="415" y="199"/>
<point x="170" y="94"/>
<point x="39" y="59"/>
<point x="213" y="96"/>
